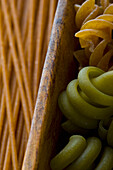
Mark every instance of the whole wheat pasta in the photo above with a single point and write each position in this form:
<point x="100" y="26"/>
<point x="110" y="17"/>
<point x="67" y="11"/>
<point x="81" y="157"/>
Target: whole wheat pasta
<point x="22" y="142"/>
<point x="15" y="116"/>
<point x="44" y="51"/>
<point x="16" y="66"/>
<point x="13" y="88"/>
<point x="40" y="35"/>
<point x="20" y="6"/>
<point x="32" y="12"/>
<point x="5" y="134"/>
<point x="22" y="57"/>
<point x="6" y="47"/>
<point x="45" y="44"/>
<point x="21" y="153"/>
<point x="7" y="165"/>
<point x="9" y="151"/>
<point x="2" y="108"/>
<point x="22" y="147"/>
<point x="21" y="139"/>
<point x="52" y="9"/>
<point x="23" y="40"/>
<point x="24" y="31"/>
<point x="19" y="130"/>
<point x="8" y="100"/>
<point x="0" y="81"/>
<point x="17" y="108"/>
<point x="3" y="146"/>
<point x="24" y="21"/>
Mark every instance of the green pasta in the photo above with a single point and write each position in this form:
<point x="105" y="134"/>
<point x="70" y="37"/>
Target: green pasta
<point x="86" y="101"/>
<point x="72" y="129"/>
<point x="110" y="134"/>
<point x="96" y="102"/>
<point x="106" y="133"/>
<point x="81" y="154"/>
<point x="74" y="116"/>
<point x="88" y="156"/>
<point x="106" y="162"/>
<point x="71" y="152"/>
<point x="96" y="84"/>
<point x="102" y="131"/>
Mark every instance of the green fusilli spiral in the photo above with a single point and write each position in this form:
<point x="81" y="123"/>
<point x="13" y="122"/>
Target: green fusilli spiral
<point x="89" y="98"/>
<point x="80" y="154"/>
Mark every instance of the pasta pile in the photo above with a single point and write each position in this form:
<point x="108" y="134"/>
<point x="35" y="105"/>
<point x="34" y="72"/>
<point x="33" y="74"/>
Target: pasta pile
<point x="95" y="22"/>
<point x="80" y="154"/>
<point x="25" y="28"/>
<point x="88" y="91"/>
<point x="87" y="102"/>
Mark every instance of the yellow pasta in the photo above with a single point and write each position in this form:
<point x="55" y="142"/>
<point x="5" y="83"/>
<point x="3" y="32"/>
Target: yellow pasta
<point x="80" y="16"/>
<point x="96" y="34"/>
<point x="104" y="3"/>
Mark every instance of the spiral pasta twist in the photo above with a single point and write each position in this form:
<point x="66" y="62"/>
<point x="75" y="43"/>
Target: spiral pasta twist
<point x="88" y="98"/>
<point x="80" y="154"/>
<point x="95" y="26"/>
<point x="105" y="130"/>
<point x="95" y="22"/>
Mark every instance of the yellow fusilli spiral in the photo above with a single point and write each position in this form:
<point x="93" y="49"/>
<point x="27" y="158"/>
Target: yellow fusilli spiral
<point x="95" y="33"/>
<point x="93" y="27"/>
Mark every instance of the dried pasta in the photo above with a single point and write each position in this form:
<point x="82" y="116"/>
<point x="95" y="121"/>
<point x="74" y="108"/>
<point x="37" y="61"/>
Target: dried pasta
<point x="87" y="102"/>
<point x="95" y="33"/>
<point x="76" y="145"/>
<point x="22" y="45"/>
<point x="88" y="92"/>
<point x="81" y="154"/>
<point x="7" y="99"/>
<point x="105" y="130"/>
